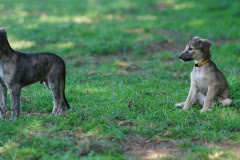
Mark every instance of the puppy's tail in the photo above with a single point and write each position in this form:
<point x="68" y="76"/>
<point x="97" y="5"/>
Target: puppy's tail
<point x="226" y="102"/>
<point x="63" y="88"/>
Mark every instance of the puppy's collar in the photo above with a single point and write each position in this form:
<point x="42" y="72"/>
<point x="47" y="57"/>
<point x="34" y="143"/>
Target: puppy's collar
<point x="202" y="63"/>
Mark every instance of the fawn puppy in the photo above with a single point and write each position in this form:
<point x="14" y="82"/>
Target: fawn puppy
<point x="208" y="84"/>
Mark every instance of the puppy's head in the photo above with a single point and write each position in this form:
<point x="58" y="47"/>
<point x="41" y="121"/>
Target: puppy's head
<point x="196" y="49"/>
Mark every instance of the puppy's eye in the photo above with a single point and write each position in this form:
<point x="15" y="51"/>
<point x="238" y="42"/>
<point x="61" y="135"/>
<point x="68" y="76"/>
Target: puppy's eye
<point x="189" y="49"/>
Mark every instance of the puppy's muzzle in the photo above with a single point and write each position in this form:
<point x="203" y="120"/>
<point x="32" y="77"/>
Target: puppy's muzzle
<point x="185" y="57"/>
<point x="180" y="56"/>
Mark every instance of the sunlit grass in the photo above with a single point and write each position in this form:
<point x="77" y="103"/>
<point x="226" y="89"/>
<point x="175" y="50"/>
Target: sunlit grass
<point x="184" y="5"/>
<point x="65" y="19"/>
<point x="19" y="45"/>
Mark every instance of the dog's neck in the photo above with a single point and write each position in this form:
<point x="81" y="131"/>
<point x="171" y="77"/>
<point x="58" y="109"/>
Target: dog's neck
<point x="197" y="61"/>
<point x="202" y="62"/>
<point x="5" y="52"/>
<point x="5" y="49"/>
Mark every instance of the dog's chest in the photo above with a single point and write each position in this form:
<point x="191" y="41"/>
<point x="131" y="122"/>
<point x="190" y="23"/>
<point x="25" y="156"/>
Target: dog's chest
<point x="1" y="71"/>
<point x="3" y="74"/>
<point x="201" y="81"/>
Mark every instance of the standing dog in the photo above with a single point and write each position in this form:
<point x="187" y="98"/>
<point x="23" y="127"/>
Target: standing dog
<point x="18" y="70"/>
<point x="207" y="82"/>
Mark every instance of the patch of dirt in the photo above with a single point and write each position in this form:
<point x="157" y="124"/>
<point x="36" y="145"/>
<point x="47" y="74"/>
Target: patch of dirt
<point x="172" y="33"/>
<point x="29" y="113"/>
<point x="141" y="148"/>
<point x="125" y="66"/>
<point x="221" y="42"/>
<point x="76" y="133"/>
<point x="224" y="145"/>
<point x="85" y="143"/>
<point x="177" y="44"/>
<point x="81" y="60"/>
<point x="159" y="46"/>
<point x="161" y="6"/>
<point x="136" y="30"/>
<point x="72" y="57"/>
<point x="126" y="123"/>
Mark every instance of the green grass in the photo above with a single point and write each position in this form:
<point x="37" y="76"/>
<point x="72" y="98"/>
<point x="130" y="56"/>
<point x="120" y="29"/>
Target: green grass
<point x="122" y="66"/>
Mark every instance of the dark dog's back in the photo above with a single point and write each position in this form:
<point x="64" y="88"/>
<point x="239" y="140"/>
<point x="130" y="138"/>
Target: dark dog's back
<point x="31" y="68"/>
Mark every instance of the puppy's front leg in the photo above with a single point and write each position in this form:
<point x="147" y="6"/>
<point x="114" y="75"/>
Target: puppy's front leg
<point x="211" y="94"/>
<point x="192" y="96"/>
<point x="3" y="100"/>
<point x="15" y="92"/>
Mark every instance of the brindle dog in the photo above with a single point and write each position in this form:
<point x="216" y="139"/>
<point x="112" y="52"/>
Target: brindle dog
<point x="18" y="70"/>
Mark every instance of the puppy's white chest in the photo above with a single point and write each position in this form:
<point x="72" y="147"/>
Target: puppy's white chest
<point x="201" y="82"/>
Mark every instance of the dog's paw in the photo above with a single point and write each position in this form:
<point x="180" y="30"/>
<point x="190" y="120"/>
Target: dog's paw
<point x="185" y="108"/>
<point x="58" y="111"/>
<point x="13" y="118"/>
<point x="179" y="105"/>
<point x="2" y="117"/>
<point x="204" y="110"/>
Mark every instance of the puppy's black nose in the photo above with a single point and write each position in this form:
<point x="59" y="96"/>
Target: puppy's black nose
<point x="180" y="56"/>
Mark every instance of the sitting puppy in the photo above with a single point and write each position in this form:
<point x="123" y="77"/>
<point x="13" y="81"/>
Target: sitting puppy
<point x="207" y="82"/>
<point x="18" y="70"/>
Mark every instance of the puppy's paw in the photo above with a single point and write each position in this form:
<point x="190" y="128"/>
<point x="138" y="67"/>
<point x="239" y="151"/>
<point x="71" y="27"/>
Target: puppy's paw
<point x="185" y="108"/>
<point x="179" y="105"/>
<point x="204" y="110"/>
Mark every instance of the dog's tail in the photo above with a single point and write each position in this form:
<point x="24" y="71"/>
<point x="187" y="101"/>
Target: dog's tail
<point x="227" y="102"/>
<point x="63" y="88"/>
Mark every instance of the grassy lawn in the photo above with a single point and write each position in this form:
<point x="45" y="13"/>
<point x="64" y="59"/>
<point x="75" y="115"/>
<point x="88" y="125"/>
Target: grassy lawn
<point x="123" y="79"/>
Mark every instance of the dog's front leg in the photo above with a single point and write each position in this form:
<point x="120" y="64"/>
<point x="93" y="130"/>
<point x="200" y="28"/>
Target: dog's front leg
<point x="211" y="94"/>
<point x="3" y="100"/>
<point x="15" y="92"/>
<point x="192" y="97"/>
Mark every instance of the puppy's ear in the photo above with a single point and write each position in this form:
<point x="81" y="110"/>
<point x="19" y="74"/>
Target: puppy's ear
<point x="196" y="37"/>
<point x="206" y="44"/>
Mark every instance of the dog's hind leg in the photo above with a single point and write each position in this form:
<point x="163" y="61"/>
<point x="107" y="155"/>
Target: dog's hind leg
<point x="224" y="98"/>
<point x="15" y="92"/>
<point x="46" y="84"/>
<point x="210" y="99"/>
<point x="57" y="108"/>
<point x="54" y="83"/>
<point x="3" y="100"/>
<point x="201" y="99"/>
